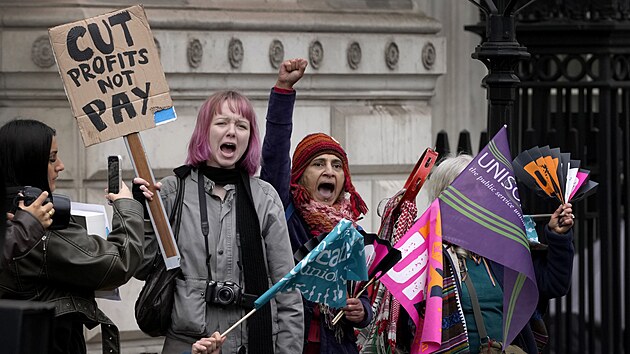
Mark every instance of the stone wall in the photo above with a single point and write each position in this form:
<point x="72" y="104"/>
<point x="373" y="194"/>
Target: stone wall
<point x="373" y="67"/>
<point x="460" y="101"/>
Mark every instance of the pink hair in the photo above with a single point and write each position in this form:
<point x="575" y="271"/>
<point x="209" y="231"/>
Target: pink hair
<point x="199" y="147"/>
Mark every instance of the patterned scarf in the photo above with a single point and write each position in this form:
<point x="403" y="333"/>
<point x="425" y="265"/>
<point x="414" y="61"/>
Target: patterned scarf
<point x="321" y="218"/>
<point x="380" y="336"/>
<point x="454" y="333"/>
<point x="408" y="213"/>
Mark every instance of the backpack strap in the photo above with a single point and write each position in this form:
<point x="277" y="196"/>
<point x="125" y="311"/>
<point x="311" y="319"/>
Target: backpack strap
<point x="481" y="328"/>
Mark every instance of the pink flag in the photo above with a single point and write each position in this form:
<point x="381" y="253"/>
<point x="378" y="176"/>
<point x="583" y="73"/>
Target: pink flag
<point x="418" y="277"/>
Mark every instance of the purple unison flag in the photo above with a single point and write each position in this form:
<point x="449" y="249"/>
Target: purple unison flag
<point x="481" y="212"/>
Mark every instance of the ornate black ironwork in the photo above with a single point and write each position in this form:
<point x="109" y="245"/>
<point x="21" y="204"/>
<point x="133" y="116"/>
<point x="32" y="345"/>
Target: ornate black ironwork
<point x="574" y="93"/>
<point x="576" y="10"/>
<point x="500" y="53"/>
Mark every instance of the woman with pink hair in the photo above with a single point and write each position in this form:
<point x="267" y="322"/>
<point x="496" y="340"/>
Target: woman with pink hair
<point x="232" y="238"/>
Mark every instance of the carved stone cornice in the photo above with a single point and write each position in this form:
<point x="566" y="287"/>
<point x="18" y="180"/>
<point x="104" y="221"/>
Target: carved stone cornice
<point x="194" y="52"/>
<point x="276" y="53"/>
<point x="236" y="53"/>
<point x="198" y="40"/>
<point x="20" y="15"/>
<point x="353" y="54"/>
<point x="41" y="52"/>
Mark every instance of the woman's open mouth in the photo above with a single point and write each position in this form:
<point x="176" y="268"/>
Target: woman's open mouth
<point x="326" y="190"/>
<point x="228" y="148"/>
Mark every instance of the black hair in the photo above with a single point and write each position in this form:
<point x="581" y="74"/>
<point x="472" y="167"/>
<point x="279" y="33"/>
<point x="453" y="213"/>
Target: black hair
<point x="25" y="152"/>
<point x="3" y="218"/>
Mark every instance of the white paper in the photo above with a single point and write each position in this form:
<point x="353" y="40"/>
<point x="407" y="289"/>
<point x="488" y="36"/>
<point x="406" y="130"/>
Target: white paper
<point x="572" y="182"/>
<point x="96" y="222"/>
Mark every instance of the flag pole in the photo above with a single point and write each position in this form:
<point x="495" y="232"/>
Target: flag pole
<point x="238" y="323"/>
<point x="340" y="314"/>
<point x="540" y="216"/>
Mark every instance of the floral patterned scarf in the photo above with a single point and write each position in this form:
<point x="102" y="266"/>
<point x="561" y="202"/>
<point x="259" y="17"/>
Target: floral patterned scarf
<point x="321" y="218"/>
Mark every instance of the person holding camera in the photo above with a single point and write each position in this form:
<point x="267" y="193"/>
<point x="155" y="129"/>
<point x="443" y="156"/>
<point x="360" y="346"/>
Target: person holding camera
<point x="232" y="238"/>
<point x="25" y="227"/>
<point x="65" y="265"/>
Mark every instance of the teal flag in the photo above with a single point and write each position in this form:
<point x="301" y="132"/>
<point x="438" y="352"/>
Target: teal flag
<point x="321" y="276"/>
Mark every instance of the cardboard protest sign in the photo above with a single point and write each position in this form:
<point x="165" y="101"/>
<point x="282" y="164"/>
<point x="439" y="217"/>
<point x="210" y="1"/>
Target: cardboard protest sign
<point x="112" y="74"/>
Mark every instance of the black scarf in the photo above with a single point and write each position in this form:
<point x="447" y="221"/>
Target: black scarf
<point x="255" y="272"/>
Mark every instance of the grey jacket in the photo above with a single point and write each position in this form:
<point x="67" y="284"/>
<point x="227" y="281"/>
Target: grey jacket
<point x="192" y="318"/>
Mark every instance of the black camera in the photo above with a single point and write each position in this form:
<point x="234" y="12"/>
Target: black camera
<point x="223" y="293"/>
<point x="28" y="194"/>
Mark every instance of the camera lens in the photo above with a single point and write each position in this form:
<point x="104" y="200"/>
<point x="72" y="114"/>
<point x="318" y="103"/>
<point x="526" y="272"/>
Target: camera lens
<point x="225" y="295"/>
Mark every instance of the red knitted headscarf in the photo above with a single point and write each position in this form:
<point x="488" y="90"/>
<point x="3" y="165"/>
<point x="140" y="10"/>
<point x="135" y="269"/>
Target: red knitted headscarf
<point x="310" y="147"/>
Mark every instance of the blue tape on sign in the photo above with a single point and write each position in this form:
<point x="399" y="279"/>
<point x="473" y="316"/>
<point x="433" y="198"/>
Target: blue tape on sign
<point x="165" y="116"/>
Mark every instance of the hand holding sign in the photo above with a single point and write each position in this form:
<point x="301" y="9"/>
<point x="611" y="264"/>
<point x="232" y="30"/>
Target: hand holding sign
<point x="112" y="75"/>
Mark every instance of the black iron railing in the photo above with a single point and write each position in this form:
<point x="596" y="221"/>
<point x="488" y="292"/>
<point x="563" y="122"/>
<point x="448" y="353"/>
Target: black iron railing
<point x="574" y="93"/>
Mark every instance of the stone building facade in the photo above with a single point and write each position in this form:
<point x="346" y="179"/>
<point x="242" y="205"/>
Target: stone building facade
<point x="371" y="83"/>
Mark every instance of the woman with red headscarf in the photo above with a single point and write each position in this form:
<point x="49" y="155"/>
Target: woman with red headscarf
<point x="317" y="192"/>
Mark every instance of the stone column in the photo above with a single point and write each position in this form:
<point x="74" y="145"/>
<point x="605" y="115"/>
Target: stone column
<point x="372" y="72"/>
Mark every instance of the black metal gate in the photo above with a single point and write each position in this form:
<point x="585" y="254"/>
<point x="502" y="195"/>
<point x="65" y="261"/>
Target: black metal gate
<point x="575" y="94"/>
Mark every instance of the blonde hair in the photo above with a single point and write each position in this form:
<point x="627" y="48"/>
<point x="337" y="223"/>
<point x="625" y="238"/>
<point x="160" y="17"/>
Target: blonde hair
<point x="445" y="173"/>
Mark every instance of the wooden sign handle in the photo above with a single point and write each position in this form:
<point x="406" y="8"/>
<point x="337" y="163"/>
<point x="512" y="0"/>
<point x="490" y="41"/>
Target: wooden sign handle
<point x="159" y="219"/>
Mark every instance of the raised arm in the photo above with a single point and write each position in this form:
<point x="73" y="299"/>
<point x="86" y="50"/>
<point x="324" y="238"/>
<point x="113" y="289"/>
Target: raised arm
<point x="276" y="165"/>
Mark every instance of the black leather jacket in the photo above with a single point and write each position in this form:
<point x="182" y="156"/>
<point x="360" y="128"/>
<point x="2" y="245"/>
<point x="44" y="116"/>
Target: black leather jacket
<point x="66" y="266"/>
<point x="22" y="233"/>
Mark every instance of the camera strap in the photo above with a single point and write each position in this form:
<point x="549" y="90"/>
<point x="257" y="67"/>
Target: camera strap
<point x="247" y="300"/>
<point x="205" y="226"/>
